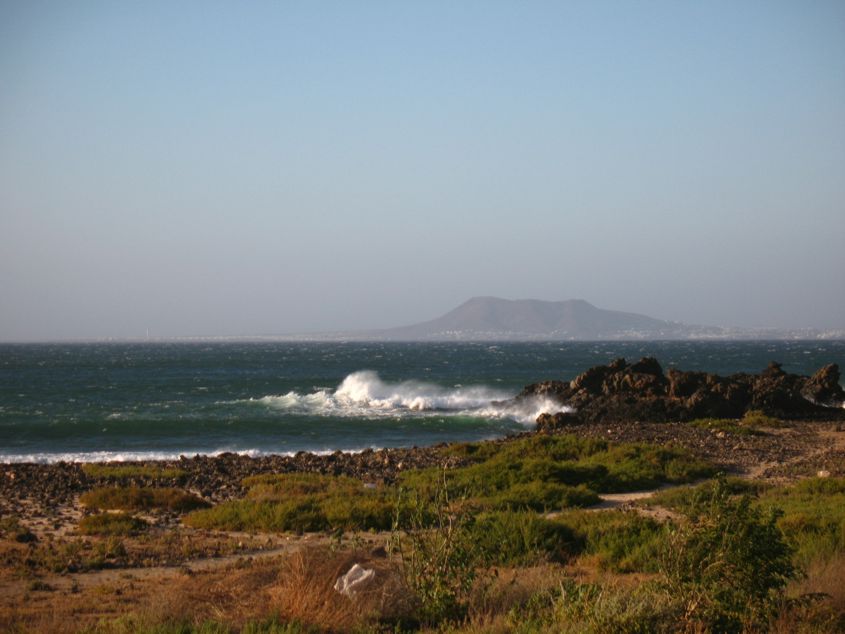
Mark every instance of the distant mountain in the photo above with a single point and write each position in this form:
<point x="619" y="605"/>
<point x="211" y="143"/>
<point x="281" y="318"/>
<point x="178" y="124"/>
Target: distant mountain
<point x="492" y="318"/>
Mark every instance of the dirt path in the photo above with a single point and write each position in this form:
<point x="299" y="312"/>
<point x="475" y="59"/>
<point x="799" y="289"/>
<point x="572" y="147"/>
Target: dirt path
<point x="107" y="576"/>
<point x="829" y="449"/>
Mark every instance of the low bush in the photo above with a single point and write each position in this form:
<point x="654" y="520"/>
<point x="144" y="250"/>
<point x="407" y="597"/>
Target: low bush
<point x="301" y="503"/>
<point x="108" y="471"/>
<point x="681" y="498"/>
<point x="621" y="541"/>
<point x="813" y="516"/>
<point x="541" y="496"/>
<point x="729" y="562"/>
<point x="11" y="528"/>
<point x="555" y="472"/>
<point x="726" y="425"/>
<point x="758" y="418"/>
<point x="518" y="538"/>
<point x="439" y="556"/>
<point x="142" y="499"/>
<point x="121" y="524"/>
<point x="599" y="608"/>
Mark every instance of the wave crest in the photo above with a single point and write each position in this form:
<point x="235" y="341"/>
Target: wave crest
<point x="365" y="394"/>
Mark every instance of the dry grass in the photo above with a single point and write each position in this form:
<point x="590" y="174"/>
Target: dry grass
<point x="816" y="602"/>
<point x="305" y="591"/>
<point x="234" y="595"/>
<point x="510" y="588"/>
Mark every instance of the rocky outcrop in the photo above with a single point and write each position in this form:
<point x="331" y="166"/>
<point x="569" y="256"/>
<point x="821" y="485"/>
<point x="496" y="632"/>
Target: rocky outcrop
<point x="560" y="420"/>
<point x="642" y="391"/>
<point x="823" y="387"/>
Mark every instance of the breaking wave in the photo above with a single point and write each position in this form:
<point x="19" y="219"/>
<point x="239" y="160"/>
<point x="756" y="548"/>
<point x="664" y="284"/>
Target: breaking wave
<point x="365" y="394"/>
<point x="120" y="456"/>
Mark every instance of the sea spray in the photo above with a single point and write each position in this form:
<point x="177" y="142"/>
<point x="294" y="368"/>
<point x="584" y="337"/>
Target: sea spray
<point x="365" y="394"/>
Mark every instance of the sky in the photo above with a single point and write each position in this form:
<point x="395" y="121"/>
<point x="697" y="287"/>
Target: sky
<point x="227" y="168"/>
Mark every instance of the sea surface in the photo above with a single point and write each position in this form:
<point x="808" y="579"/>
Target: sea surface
<point x="109" y="401"/>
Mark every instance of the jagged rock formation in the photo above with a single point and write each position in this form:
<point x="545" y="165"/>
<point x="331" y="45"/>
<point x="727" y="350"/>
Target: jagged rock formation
<point x="641" y="391"/>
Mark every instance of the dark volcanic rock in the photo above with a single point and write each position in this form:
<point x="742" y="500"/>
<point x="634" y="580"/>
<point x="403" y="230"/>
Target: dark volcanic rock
<point x="560" y="420"/>
<point x="641" y="391"/>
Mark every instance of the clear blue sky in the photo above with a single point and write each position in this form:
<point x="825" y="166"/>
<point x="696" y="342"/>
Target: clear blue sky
<point x="269" y="167"/>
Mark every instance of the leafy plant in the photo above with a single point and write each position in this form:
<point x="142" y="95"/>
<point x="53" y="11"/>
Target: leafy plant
<point x="729" y="562"/>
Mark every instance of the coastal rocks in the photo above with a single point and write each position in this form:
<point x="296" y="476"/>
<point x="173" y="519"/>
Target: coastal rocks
<point x="641" y="391"/>
<point x="559" y="420"/>
<point x="824" y="388"/>
<point x="216" y="478"/>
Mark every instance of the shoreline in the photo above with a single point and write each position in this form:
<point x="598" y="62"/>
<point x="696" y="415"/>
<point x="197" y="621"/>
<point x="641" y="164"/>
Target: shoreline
<point x="218" y="477"/>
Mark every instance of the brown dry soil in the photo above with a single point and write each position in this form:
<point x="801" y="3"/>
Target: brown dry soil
<point x="62" y="581"/>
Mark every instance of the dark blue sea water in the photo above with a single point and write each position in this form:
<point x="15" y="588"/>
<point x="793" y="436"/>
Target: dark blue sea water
<point x="136" y="401"/>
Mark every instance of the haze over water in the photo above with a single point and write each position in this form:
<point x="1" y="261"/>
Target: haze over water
<point x="140" y="401"/>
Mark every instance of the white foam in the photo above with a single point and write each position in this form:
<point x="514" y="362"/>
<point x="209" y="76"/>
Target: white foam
<point x="365" y="394"/>
<point x="141" y="456"/>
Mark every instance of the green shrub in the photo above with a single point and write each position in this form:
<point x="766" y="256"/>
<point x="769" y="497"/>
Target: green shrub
<point x="541" y="473"/>
<point x="813" y="516"/>
<point x="541" y="496"/>
<point x="682" y="498"/>
<point x="554" y="472"/>
<point x="11" y="528"/>
<point x="748" y="425"/>
<point x="510" y="538"/>
<point x="439" y="557"/>
<point x="111" y="524"/>
<point x="622" y="541"/>
<point x="600" y="608"/>
<point x="729" y="562"/>
<point x="141" y="499"/>
<point x="108" y="471"/>
<point x="301" y="503"/>
<point x="727" y="425"/>
<point x="757" y="418"/>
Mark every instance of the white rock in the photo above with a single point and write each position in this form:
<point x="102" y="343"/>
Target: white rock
<point x="355" y="578"/>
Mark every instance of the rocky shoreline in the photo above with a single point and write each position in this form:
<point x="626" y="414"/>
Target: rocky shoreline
<point x="642" y="391"/>
<point x="219" y="478"/>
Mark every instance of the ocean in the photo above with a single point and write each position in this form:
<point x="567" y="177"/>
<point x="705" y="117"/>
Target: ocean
<point x="136" y="401"/>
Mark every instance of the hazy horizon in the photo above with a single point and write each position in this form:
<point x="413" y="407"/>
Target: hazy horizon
<point x="204" y="169"/>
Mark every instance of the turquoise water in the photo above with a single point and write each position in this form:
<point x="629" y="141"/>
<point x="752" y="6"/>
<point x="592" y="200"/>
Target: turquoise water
<point x="131" y="401"/>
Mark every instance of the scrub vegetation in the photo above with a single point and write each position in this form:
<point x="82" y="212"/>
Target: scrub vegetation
<point x="539" y="474"/>
<point x="516" y="539"/>
<point x="133" y="498"/>
<point x="132" y="471"/>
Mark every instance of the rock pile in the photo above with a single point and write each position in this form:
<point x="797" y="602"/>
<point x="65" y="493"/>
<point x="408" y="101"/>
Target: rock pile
<point x="641" y="391"/>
